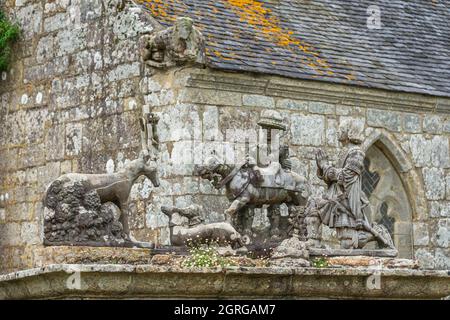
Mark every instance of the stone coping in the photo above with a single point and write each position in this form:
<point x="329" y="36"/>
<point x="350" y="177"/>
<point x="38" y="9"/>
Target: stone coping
<point x="353" y="252"/>
<point x="120" y="281"/>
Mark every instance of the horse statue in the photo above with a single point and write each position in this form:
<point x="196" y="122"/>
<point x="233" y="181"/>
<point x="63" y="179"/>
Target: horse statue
<point x="248" y="185"/>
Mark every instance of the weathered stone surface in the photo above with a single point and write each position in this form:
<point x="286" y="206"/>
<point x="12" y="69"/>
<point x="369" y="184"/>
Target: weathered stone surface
<point x="291" y="248"/>
<point x="412" y="123"/>
<point x="425" y="258"/>
<point x="308" y="130"/>
<point x="421" y="236"/>
<point x="91" y="255"/>
<point x="210" y="97"/>
<point x="73" y="139"/>
<point x="253" y="100"/>
<point x="123" y="71"/>
<point x="30" y="18"/>
<point x="331" y="134"/>
<point x="292" y="104"/>
<point x="57" y="21"/>
<point x="434" y="181"/>
<point x="343" y="110"/>
<point x="440" y="155"/>
<point x="127" y="281"/>
<point x="365" y="261"/>
<point x="320" y="107"/>
<point x="384" y="119"/>
<point x="439" y="209"/>
<point x="45" y="49"/>
<point x="130" y="23"/>
<point x="441" y="233"/>
<point x="352" y="252"/>
<point x="69" y="41"/>
<point x="67" y="105"/>
<point x="30" y="233"/>
<point x="446" y="126"/>
<point x="442" y="259"/>
<point x="288" y="262"/>
<point x="432" y="124"/>
<point x="430" y="152"/>
<point x="211" y="126"/>
<point x="165" y="259"/>
<point x="180" y="122"/>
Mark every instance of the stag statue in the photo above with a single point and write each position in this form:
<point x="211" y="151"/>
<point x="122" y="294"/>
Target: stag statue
<point x="75" y="202"/>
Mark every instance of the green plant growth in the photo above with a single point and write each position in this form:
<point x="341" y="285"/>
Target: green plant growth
<point x="320" y="262"/>
<point x="8" y="34"/>
<point x="205" y="255"/>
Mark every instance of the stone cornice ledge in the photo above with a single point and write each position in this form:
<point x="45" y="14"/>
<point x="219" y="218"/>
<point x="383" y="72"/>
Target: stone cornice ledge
<point x="149" y="281"/>
<point x="341" y="94"/>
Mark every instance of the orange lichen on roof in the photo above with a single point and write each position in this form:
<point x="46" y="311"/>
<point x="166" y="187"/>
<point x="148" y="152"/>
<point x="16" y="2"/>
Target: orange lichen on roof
<point x="159" y="8"/>
<point x="255" y="14"/>
<point x="350" y="76"/>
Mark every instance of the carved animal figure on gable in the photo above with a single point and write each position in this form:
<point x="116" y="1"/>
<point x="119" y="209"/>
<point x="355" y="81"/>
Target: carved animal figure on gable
<point x="176" y="45"/>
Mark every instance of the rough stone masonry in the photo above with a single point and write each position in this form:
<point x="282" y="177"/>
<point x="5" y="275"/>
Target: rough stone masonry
<point x="71" y="101"/>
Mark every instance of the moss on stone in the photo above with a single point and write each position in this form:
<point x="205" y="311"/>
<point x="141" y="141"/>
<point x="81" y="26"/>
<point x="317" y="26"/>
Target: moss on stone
<point x="9" y="32"/>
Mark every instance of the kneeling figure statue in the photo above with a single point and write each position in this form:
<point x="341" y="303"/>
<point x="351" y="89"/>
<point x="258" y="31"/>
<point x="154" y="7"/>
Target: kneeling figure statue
<point x="343" y="205"/>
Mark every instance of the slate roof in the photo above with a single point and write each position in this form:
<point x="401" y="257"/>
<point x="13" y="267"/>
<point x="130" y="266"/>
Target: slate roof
<point x="325" y="40"/>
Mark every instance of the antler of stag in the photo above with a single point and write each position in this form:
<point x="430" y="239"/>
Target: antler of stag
<point x="150" y="119"/>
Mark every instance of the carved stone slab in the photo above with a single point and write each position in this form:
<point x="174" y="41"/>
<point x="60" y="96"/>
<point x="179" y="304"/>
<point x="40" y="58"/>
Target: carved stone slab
<point x="353" y="252"/>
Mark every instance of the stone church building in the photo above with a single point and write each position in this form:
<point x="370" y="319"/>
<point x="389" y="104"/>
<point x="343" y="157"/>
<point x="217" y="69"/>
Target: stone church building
<point x="78" y="84"/>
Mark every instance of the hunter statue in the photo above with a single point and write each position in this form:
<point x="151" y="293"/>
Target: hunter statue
<point x="344" y="205"/>
<point x="265" y="180"/>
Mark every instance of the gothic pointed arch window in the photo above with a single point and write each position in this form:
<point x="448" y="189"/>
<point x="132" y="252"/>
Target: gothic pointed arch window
<point x="389" y="203"/>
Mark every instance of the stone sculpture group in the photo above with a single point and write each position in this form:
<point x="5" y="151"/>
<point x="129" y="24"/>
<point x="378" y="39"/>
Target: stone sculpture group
<point x="341" y="207"/>
<point x="77" y="206"/>
<point x="80" y="208"/>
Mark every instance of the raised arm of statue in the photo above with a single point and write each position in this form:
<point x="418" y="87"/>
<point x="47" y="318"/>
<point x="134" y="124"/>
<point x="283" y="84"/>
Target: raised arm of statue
<point x="326" y="171"/>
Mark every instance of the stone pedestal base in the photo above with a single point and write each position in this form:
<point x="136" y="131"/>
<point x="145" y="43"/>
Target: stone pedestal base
<point x="150" y="281"/>
<point x="79" y="255"/>
<point x="372" y="262"/>
<point x="290" y="253"/>
<point x="289" y="263"/>
<point x="353" y="252"/>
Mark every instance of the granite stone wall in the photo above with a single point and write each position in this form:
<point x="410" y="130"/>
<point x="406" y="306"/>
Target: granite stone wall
<point x="70" y="103"/>
<point x="410" y="131"/>
<point x="76" y="88"/>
